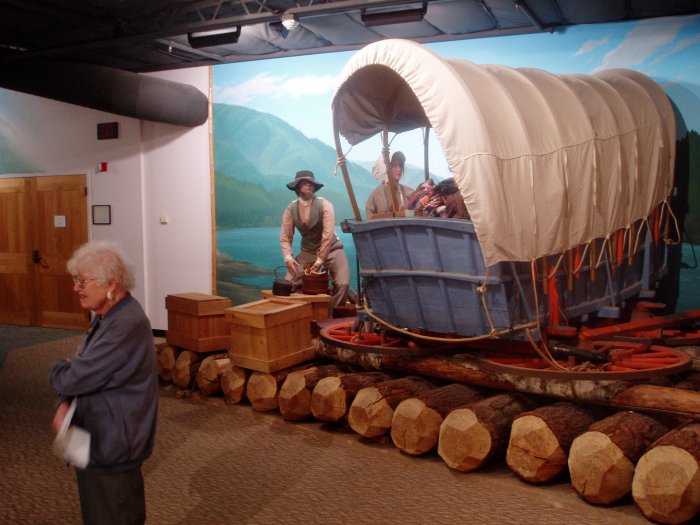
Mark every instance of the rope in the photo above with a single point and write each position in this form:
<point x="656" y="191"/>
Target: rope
<point x="494" y="333"/>
<point x="542" y="352"/>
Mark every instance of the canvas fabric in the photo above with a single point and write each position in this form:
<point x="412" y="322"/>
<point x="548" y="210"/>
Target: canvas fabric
<point x="544" y="162"/>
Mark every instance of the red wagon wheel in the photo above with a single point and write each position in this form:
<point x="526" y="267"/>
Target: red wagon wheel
<point x="622" y="360"/>
<point x="625" y="360"/>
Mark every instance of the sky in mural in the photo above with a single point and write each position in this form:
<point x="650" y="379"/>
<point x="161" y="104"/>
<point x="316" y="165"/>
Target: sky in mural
<point x="299" y="90"/>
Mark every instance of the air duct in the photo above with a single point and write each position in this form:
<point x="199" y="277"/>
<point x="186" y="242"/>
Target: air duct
<point x="107" y="89"/>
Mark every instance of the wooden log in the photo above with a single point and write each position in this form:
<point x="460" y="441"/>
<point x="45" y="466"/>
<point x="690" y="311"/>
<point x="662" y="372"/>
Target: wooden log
<point x="690" y="382"/>
<point x="540" y="440"/>
<point x="464" y="368"/>
<point x="372" y="409"/>
<point x="186" y="366"/>
<point x="208" y="376"/>
<point x="295" y="393"/>
<point x="166" y="357"/>
<point x="415" y="426"/>
<point x="602" y="459"/>
<point x="262" y="389"/>
<point x="471" y="437"/>
<point x="233" y="384"/>
<point x="332" y="396"/>
<point x="666" y="483"/>
<point x="694" y="352"/>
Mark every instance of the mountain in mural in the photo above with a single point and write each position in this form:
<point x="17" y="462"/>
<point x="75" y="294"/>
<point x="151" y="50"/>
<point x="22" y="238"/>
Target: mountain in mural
<point x="256" y="154"/>
<point x="10" y="161"/>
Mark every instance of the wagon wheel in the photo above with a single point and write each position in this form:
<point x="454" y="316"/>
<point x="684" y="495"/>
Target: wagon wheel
<point x="343" y="335"/>
<point x="625" y="361"/>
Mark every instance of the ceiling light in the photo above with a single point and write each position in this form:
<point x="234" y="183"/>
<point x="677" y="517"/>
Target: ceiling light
<point x="290" y="21"/>
<point x="383" y="18"/>
<point x="219" y="37"/>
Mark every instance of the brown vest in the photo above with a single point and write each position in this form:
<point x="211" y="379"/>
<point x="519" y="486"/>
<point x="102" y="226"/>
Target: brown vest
<point x="311" y="234"/>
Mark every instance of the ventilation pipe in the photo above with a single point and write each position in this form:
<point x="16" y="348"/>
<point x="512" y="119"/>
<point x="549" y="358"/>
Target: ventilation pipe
<point x="108" y="89"/>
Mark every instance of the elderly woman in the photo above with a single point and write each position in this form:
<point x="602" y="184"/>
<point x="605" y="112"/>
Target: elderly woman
<point x="113" y="377"/>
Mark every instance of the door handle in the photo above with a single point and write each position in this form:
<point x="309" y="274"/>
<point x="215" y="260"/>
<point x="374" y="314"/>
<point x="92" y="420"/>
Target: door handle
<point x="36" y="258"/>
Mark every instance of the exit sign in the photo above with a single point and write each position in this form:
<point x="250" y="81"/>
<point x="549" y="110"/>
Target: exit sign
<point x="107" y="130"/>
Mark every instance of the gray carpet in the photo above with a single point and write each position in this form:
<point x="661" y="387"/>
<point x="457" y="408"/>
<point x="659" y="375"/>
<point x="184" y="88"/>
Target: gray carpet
<point x="219" y="464"/>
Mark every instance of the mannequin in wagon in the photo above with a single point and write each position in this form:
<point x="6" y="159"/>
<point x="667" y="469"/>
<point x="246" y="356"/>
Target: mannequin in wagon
<point x="379" y="201"/>
<point x="314" y="218"/>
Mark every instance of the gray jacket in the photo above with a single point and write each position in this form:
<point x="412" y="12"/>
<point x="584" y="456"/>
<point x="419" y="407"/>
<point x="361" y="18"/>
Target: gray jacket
<point x="114" y="377"/>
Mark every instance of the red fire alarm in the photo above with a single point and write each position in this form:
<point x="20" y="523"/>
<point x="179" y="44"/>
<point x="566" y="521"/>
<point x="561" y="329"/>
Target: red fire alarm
<point x="103" y="166"/>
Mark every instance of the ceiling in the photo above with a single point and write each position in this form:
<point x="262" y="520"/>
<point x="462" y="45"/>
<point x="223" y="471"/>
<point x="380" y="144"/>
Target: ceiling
<point x="152" y="35"/>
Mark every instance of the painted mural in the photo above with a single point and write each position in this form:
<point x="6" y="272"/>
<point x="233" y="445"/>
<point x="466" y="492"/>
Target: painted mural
<point x="273" y="117"/>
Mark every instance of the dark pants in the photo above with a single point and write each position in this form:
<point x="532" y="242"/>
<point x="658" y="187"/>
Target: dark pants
<point x="107" y="499"/>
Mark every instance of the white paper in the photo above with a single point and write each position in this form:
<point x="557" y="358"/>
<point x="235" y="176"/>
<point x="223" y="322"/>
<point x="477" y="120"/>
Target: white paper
<point x="72" y="443"/>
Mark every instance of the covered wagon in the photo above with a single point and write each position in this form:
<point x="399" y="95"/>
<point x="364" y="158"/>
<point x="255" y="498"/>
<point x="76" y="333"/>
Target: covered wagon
<point x="566" y="178"/>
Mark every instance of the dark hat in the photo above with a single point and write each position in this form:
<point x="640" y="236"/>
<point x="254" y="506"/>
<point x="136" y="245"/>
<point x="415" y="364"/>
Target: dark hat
<point x="304" y="175"/>
<point x="398" y="158"/>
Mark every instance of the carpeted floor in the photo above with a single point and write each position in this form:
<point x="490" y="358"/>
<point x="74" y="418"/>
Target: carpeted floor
<point x="219" y="464"/>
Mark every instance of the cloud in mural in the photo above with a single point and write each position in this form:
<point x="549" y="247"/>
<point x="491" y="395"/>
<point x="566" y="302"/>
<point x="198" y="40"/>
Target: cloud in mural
<point x="680" y="46"/>
<point x="641" y="42"/>
<point x="590" y="45"/>
<point x="267" y="85"/>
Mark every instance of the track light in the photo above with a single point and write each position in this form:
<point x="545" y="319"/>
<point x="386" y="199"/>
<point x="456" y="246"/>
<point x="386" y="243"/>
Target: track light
<point x="383" y="18"/>
<point x="219" y="37"/>
<point x="290" y="21"/>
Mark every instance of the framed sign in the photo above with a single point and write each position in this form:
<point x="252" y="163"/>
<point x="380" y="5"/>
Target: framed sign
<point x="102" y="214"/>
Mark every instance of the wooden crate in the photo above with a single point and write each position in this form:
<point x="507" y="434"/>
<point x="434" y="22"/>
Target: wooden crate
<point x="196" y="321"/>
<point x="319" y="302"/>
<point x="270" y="334"/>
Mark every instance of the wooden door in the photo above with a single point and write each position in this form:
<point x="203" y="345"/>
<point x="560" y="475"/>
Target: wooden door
<point x="52" y="212"/>
<point x="16" y="283"/>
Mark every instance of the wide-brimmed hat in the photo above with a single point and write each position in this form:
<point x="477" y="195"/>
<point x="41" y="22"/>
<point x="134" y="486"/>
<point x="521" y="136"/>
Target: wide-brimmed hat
<point x="304" y="175"/>
<point x="398" y="158"/>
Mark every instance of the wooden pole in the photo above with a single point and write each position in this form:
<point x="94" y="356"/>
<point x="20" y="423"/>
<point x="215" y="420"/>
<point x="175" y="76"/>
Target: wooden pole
<point x="344" y="167"/>
<point x="393" y="185"/>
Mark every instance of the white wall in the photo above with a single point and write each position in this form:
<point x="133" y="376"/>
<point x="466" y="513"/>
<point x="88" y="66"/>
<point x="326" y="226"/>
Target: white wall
<point x="176" y="164"/>
<point x="153" y="170"/>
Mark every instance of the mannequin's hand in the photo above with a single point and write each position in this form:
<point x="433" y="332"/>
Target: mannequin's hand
<point x="292" y="267"/>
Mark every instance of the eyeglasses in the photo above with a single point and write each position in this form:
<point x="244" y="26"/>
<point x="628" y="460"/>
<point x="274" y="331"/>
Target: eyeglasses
<point x="80" y="283"/>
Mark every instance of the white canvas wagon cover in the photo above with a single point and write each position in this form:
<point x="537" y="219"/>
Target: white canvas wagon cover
<point x="544" y="162"/>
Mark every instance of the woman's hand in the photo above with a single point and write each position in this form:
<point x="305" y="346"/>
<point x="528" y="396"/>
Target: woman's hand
<point x="60" y="415"/>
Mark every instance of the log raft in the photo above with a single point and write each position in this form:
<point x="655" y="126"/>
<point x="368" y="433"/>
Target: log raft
<point x="471" y="437"/>
<point x="262" y="389"/>
<point x="465" y="368"/>
<point x="415" y="426"/>
<point x="186" y="366"/>
<point x="233" y="384"/>
<point x="209" y="372"/>
<point x="295" y="393"/>
<point x="166" y="357"/>
<point x="332" y="396"/>
<point x="602" y="460"/>
<point x="540" y="440"/>
<point x="666" y="483"/>
<point x="372" y="409"/>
